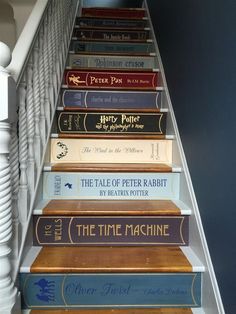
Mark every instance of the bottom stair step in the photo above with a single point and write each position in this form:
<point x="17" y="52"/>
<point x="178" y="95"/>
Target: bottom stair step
<point x="111" y="277"/>
<point x="119" y="311"/>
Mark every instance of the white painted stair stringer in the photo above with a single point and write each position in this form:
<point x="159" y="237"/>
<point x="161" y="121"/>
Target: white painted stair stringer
<point x="211" y="301"/>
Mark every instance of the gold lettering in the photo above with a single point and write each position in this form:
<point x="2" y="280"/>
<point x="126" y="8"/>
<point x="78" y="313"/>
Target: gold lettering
<point x="129" y="230"/>
<point x="150" y="230"/>
<point x="136" y="231"/>
<point x="104" y="119"/>
<point x="100" y="227"/>
<point x="147" y="230"/>
<point x="86" y="230"/>
<point x="166" y="229"/>
<point x="98" y="80"/>
<point x="118" y="230"/>
<point x="58" y="229"/>
<point x="115" y="80"/>
<point x="48" y="230"/>
<point x="129" y="119"/>
<point x="110" y="230"/>
<point x="142" y="227"/>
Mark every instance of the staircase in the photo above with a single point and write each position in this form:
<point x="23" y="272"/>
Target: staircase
<point x="115" y="223"/>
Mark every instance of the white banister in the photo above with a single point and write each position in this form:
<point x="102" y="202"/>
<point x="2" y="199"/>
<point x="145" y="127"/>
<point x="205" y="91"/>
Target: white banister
<point x="7" y="118"/>
<point x="29" y="88"/>
<point x="27" y="37"/>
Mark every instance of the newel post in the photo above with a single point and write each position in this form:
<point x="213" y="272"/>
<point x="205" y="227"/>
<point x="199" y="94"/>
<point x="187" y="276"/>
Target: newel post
<point x="7" y="117"/>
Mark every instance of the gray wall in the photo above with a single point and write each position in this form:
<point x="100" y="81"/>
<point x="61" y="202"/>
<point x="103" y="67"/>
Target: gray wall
<point x="197" y="40"/>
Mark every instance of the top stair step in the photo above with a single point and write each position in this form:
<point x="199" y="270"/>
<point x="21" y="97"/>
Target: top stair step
<point x="120" y="311"/>
<point x="118" y="13"/>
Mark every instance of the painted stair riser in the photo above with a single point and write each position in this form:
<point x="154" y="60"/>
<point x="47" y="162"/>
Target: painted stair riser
<point x="109" y="23"/>
<point x="104" y="122"/>
<point x="111" y="79"/>
<point x="95" y="185"/>
<point x="121" y="230"/>
<point x="111" y="290"/>
<point x="111" y="62"/>
<point x="111" y="47"/>
<point x="118" y="13"/>
<point x="110" y="151"/>
<point x="111" y="99"/>
<point x="111" y="35"/>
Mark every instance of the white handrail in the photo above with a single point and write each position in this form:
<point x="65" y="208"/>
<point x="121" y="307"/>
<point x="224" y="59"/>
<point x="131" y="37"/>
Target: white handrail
<point x="25" y="41"/>
<point x="33" y="79"/>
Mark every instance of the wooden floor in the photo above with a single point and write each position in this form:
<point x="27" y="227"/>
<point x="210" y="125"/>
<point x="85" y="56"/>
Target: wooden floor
<point x="110" y="260"/>
<point x="100" y="167"/>
<point x="111" y="207"/>
<point x="116" y="311"/>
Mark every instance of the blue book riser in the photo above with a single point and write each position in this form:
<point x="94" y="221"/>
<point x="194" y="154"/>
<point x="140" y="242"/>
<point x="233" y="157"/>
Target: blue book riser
<point x="109" y="99"/>
<point x="111" y="290"/>
<point x="111" y="47"/>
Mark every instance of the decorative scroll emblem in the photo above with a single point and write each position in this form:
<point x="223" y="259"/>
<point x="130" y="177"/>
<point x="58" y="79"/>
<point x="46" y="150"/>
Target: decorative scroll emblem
<point x="64" y="150"/>
<point x="76" y="120"/>
<point x="68" y="185"/>
<point x="155" y="155"/>
<point x="75" y="80"/>
<point x="46" y="291"/>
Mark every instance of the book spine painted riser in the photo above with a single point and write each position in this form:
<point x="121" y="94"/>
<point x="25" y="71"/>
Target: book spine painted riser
<point x="111" y="62"/>
<point x="111" y="99"/>
<point x="113" y="80"/>
<point x="110" y="151"/>
<point x="111" y="35"/>
<point x="120" y="13"/>
<point x="109" y="23"/>
<point x="112" y="122"/>
<point x="111" y="47"/>
<point x="121" y="230"/>
<point x="111" y="290"/>
<point x="94" y="185"/>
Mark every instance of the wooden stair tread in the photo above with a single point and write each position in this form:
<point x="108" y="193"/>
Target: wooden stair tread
<point x="110" y="207"/>
<point x="110" y="260"/>
<point x="117" y="311"/>
<point x="110" y="136"/>
<point x="108" y="167"/>
<point x="115" y="110"/>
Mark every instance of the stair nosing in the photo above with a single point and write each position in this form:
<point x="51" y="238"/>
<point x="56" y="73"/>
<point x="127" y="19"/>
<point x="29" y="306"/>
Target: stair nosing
<point x="53" y="311"/>
<point x="48" y="167"/>
<point x="184" y="209"/>
<point x="158" y="88"/>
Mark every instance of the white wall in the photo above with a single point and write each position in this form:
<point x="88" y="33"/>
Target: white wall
<point x="13" y="15"/>
<point x="22" y="9"/>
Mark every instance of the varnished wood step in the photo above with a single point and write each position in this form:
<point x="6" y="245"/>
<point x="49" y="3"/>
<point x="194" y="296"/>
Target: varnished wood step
<point x="102" y="167"/>
<point x="120" y="311"/>
<point x="111" y="260"/>
<point x="112" y="207"/>
<point x="112" y="136"/>
<point x="115" y="110"/>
